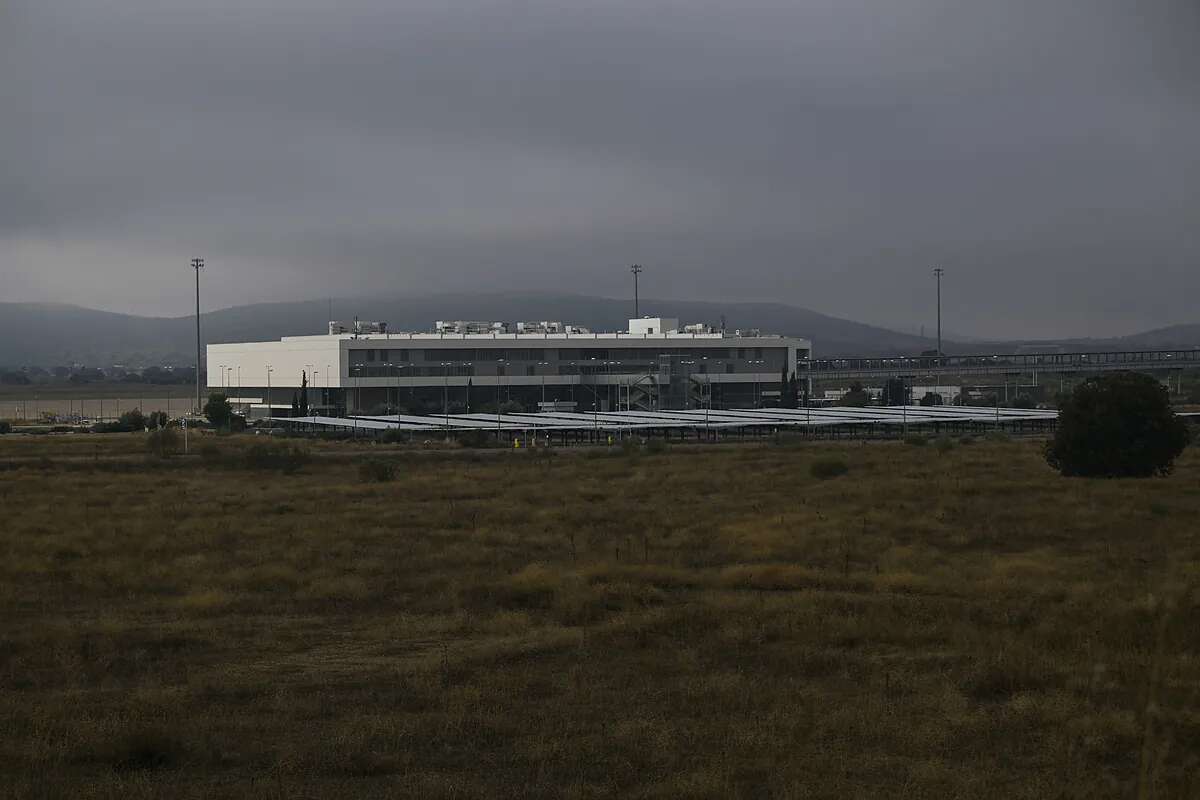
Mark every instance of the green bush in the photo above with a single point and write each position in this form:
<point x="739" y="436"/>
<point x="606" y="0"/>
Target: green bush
<point x="827" y="468"/>
<point x="943" y="444"/>
<point x="133" y="420"/>
<point x="477" y="438"/>
<point x="1118" y="425"/>
<point x="163" y="442"/>
<point x="788" y="439"/>
<point x="5" y="426"/>
<point x="286" y="458"/>
<point x="377" y="471"/>
<point x="210" y="452"/>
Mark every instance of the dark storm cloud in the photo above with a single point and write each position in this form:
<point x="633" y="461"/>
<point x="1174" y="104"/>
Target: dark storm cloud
<point x="823" y="153"/>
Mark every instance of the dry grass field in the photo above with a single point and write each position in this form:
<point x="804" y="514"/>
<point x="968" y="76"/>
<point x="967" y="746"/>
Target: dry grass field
<point x="704" y="622"/>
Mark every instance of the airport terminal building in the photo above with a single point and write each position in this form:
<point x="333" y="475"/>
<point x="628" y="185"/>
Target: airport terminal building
<point x="469" y="366"/>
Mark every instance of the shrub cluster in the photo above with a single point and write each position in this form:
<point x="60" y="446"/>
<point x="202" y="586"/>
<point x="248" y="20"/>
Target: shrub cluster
<point x="377" y="471"/>
<point x="163" y="442"/>
<point x="656" y="446"/>
<point x="477" y="438"/>
<point x="5" y="427"/>
<point x="826" y="468"/>
<point x="286" y="458"/>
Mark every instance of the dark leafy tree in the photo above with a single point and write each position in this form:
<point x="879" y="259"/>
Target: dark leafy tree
<point x="788" y="388"/>
<point x="1118" y="425"/>
<point x="5" y="426"/>
<point x="895" y="392"/>
<point x="157" y="419"/>
<point x="302" y="403"/>
<point x="857" y="397"/>
<point x="931" y="399"/>
<point x="218" y="410"/>
<point x="132" y="420"/>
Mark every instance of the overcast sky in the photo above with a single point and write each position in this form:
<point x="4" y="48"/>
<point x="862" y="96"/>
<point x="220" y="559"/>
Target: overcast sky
<point x="825" y="153"/>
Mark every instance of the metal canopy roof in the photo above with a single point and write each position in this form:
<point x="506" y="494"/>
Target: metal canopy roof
<point x="688" y="418"/>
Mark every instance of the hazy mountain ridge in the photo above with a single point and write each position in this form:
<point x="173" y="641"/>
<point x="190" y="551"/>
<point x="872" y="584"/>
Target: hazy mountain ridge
<point x="48" y="334"/>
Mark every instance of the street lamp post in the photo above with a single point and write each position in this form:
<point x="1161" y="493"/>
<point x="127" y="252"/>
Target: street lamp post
<point x="269" y="412"/>
<point x="312" y="371"/>
<point x="398" y="368"/>
<point x="501" y="371"/>
<point x="542" y="365"/>
<point x="446" y="395"/>
<point x="707" y="404"/>
<point x="357" y="400"/>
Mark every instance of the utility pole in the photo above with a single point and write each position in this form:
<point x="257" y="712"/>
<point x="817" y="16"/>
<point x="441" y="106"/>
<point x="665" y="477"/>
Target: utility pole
<point x="636" y="269"/>
<point x="937" y="271"/>
<point x="198" y="264"/>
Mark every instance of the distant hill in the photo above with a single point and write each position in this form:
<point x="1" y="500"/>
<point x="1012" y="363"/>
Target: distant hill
<point x="1173" y="337"/>
<point x="49" y="334"/>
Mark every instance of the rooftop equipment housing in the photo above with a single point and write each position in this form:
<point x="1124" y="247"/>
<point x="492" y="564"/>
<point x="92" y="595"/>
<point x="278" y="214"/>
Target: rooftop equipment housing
<point x="653" y="326"/>
<point x="356" y="327"/>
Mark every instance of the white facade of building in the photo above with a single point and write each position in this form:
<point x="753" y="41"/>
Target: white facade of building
<point x="644" y="367"/>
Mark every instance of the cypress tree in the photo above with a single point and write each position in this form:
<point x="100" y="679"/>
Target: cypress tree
<point x="302" y="404"/>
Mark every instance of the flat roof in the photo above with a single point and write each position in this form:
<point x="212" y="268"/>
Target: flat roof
<point x="487" y="337"/>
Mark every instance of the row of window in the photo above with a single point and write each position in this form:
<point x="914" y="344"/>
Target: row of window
<point x="630" y="368"/>
<point x="484" y="355"/>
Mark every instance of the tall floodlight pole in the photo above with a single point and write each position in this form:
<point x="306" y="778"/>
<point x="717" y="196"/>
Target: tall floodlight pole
<point x="937" y="271"/>
<point x="198" y="264"/>
<point x="636" y="269"/>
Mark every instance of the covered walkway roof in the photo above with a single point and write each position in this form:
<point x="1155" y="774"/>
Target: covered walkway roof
<point x="689" y="418"/>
